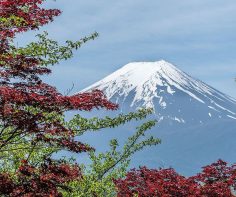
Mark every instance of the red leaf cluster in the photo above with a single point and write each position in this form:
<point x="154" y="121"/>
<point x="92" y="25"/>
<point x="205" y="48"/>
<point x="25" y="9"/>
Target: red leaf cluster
<point x="21" y="86"/>
<point x="216" y="180"/>
<point x="29" y="10"/>
<point x="43" y="181"/>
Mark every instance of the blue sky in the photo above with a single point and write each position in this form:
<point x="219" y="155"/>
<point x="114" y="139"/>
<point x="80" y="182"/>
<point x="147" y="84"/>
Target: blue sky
<point x="199" y="36"/>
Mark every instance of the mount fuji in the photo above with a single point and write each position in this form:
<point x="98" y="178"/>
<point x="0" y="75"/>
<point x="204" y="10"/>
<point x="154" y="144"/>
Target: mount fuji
<point x="196" y="122"/>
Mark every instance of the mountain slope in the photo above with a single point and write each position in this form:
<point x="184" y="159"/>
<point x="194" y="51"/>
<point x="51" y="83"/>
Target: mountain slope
<point x="196" y="122"/>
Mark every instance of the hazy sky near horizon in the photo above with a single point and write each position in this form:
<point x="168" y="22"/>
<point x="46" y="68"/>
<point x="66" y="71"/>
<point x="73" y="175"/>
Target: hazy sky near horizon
<point x="199" y="36"/>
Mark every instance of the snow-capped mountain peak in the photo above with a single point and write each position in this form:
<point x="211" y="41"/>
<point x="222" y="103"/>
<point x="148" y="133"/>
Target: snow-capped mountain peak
<point x="164" y="87"/>
<point x="196" y="123"/>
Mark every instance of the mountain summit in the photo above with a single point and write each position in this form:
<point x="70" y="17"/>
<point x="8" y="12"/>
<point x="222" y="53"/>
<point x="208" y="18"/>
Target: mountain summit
<point x="171" y="92"/>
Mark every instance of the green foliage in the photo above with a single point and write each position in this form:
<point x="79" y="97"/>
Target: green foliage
<point x="81" y="125"/>
<point x="113" y="164"/>
<point x="11" y="22"/>
<point x="23" y="148"/>
<point x="48" y="51"/>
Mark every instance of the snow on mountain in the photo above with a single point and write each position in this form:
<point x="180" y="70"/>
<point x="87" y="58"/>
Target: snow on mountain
<point x="171" y="92"/>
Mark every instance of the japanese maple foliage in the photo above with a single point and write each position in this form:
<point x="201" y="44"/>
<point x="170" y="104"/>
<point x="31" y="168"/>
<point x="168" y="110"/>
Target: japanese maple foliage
<point x="29" y="107"/>
<point x="216" y="180"/>
<point x="29" y="90"/>
<point x="29" y="11"/>
<point x="42" y="181"/>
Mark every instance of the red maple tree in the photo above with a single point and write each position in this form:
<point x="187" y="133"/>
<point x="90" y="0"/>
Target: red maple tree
<point x="22" y="90"/>
<point x="216" y="180"/>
